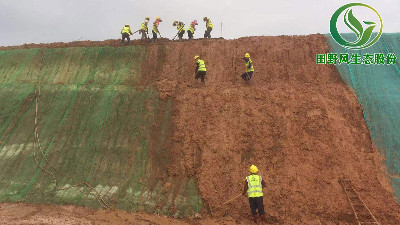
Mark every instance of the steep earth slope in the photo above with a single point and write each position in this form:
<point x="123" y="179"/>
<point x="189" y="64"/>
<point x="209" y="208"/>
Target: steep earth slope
<point x="149" y="138"/>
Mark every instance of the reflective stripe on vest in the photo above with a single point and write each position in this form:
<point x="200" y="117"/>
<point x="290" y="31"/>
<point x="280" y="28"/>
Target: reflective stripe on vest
<point x="180" y="27"/>
<point x="155" y="27"/>
<point x="209" y="23"/>
<point x="144" y="26"/>
<point x="255" y="186"/>
<point x="202" y="65"/>
<point x="191" y="29"/>
<point x="247" y="66"/>
<point x="126" y="30"/>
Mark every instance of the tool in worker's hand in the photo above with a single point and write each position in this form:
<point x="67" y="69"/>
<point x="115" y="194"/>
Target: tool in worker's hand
<point x="230" y="200"/>
<point x="159" y="34"/>
<point x="135" y="32"/>
<point x="174" y="37"/>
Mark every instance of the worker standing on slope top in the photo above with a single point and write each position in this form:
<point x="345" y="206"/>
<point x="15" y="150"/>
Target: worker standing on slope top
<point x="201" y="70"/>
<point x="155" y="29"/>
<point x="209" y="27"/>
<point x="144" y="30"/>
<point x="191" y="29"/>
<point x="253" y="187"/>
<point x="181" y="28"/>
<point x="126" y="31"/>
<point x="249" y="68"/>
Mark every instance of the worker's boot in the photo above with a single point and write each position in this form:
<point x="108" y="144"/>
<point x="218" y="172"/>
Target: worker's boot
<point x="255" y="217"/>
<point x="263" y="219"/>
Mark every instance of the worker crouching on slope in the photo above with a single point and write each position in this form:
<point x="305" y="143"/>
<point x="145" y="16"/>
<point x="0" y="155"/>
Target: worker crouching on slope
<point x="144" y="30"/>
<point x="253" y="187"/>
<point x="126" y="31"/>
<point x="191" y="29"/>
<point x="155" y="29"/>
<point x="249" y="68"/>
<point x="209" y="27"/>
<point x="181" y="28"/>
<point x="201" y="70"/>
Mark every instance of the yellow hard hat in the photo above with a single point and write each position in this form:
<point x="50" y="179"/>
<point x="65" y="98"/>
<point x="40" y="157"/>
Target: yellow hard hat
<point x="253" y="169"/>
<point x="247" y="55"/>
<point x="157" y="18"/>
<point x="205" y="19"/>
<point x="175" y="22"/>
<point x="196" y="57"/>
<point x="147" y="18"/>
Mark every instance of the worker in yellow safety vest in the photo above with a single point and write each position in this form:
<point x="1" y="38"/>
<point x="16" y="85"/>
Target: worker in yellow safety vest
<point x="209" y="27"/>
<point x="181" y="28"/>
<point x="253" y="187"/>
<point x="249" y="68"/>
<point x="144" y="30"/>
<point x="126" y="31"/>
<point x="192" y="28"/>
<point x="201" y="70"/>
<point x="155" y="29"/>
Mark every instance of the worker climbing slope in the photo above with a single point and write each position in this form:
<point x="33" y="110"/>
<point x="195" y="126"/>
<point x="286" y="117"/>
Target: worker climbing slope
<point x="191" y="29"/>
<point x="201" y="70"/>
<point x="126" y="32"/>
<point x="144" y="30"/>
<point x="155" y="29"/>
<point x="253" y="187"/>
<point x="181" y="28"/>
<point x="249" y="68"/>
<point x="209" y="27"/>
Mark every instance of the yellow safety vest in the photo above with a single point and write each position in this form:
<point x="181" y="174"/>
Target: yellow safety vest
<point x="255" y="186"/>
<point x="251" y="69"/>
<point x="202" y="65"/>
<point x="180" y="27"/>
<point x="144" y="26"/>
<point x="191" y="28"/>
<point x="209" y="24"/>
<point x="155" y="27"/>
<point x="126" y="30"/>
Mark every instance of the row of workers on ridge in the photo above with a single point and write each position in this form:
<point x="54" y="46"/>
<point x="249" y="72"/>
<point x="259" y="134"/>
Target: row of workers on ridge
<point x="144" y="31"/>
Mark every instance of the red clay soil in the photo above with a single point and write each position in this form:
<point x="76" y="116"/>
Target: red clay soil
<point x="297" y="121"/>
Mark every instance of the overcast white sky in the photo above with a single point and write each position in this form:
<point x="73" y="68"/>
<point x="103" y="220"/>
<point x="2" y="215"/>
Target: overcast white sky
<point x="44" y="21"/>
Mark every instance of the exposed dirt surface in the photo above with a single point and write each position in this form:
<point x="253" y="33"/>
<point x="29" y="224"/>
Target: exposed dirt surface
<point x="109" y="42"/>
<point x="297" y="121"/>
<point x="54" y="214"/>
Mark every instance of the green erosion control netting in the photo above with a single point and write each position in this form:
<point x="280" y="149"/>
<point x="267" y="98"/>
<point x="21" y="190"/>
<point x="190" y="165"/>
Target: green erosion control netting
<point x="96" y="124"/>
<point x="378" y="91"/>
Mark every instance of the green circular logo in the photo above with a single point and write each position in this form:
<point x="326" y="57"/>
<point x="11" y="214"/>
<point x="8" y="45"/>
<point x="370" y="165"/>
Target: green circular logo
<point x="364" y="34"/>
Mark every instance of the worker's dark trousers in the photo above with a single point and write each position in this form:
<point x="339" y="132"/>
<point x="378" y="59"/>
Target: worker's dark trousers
<point x="190" y="34"/>
<point x="125" y="35"/>
<point x="154" y="36"/>
<point x="207" y="34"/>
<point x="247" y="76"/>
<point x="180" y="34"/>
<point x="257" y="203"/>
<point x="202" y="75"/>
<point x="143" y="32"/>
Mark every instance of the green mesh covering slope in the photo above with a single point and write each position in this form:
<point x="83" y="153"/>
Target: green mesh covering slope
<point x="93" y="127"/>
<point x="378" y="91"/>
